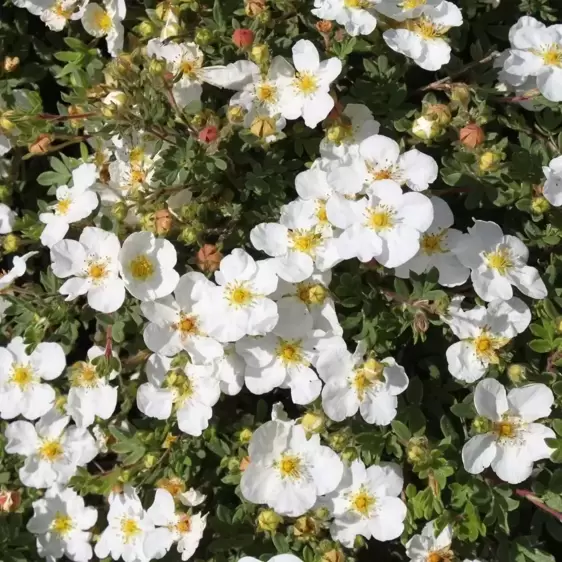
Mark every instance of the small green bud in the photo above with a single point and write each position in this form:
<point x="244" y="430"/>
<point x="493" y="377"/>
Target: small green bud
<point x="203" y="36"/>
<point x="516" y="373"/>
<point x="349" y="454"/>
<point x="539" y="205"/>
<point x="146" y="29"/>
<point x="11" y="243"/>
<point x="313" y="422"/>
<point x="489" y="160"/>
<point x="149" y="461"/>
<point x="338" y="441"/>
<point x="245" y="435"/>
<point x="260" y="53"/>
<point x="156" y="67"/>
<point x="188" y="235"/>
<point x="4" y="193"/>
<point x="268" y="520"/>
<point x="119" y="211"/>
<point x="481" y="424"/>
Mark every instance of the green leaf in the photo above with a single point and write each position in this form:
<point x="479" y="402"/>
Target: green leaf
<point x="218" y="15"/>
<point x="540" y="346"/>
<point x="401" y="430"/>
<point x="280" y="543"/>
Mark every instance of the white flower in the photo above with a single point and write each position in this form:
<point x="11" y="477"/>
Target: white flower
<point x="287" y="471"/>
<point x="264" y="92"/>
<point x="61" y="522"/>
<point x="423" y="39"/>
<point x="513" y="442"/>
<point x="386" y="226"/>
<point x="147" y="266"/>
<point x="192" y="498"/>
<point x="239" y="305"/>
<point x="93" y="267"/>
<point x="483" y="333"/>
<point x="90" y="395"/>
<point x="230" y="370"/>
<point x="552" y="189"/>
<point x="308" y="94"/>
<point x="497" y="262"/>
<point x="283" y="357"/>
<point x="74" y="204"/>
<point x="400" y="10"/>
<point x="7" y="219"/>
<point x="55" y="13"/>
<point x="22" y="391"/>
<point x="176" y="323"/>
<point x="53" y="452"/>
<point x="127" y="527"/>
<point x="171" y="527"/>
<point x="276" y="558"/>
<point x="18" y="269"/>
<point x="427" y="546"/>
<point x="355" y="15"/>
<point x="537" y="52"/>
<point x="354" y="383"/>
<point x="436" y="249"/>
<point x="106" y="22"/>
<point x="314" y="293"/>
<point x="379" y="161"/>
<point x="189" y="392"/>
<point x="366" y="503"/>
<point x="343" y="138"/>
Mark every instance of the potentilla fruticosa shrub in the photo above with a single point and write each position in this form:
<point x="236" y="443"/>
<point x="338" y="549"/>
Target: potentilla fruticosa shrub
<point x="281" y="280"/>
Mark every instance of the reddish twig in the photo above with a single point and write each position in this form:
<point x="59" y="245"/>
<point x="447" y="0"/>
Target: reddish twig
<point x="108" y="343"/>
<point x="528" y="495"/>
<point x="52" y="117"/>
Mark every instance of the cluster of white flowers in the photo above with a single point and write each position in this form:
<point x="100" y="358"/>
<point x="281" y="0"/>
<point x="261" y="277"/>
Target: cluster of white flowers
<point x="534" y="60"/>
<point x="418" y="29"/>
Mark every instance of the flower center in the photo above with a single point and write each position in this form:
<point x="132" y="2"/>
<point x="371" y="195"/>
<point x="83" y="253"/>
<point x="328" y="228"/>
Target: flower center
<point x="380" y="218"/>
<point x="130" y="529"/>
<point x="136" y="156"/>
<point x="426" y="28"/>
<point x="51" y="450"/>
<point x="290" y="466"/>
<point x="181" y="385"/>
<point x="552" y="55"/>
<point x="305" y="241"/>
<point x="380" y="173"/>
<point x="239" y="294"/>
<point x="500" y="260"/>
<point x="290" y="352"/>
<point x="433" y="243"/>
<point x="188" y="67"/>
<point x="355" y="4"/>
<point x="505" y="429"/>
<point x="368" y="375"/>
<point x="187" y="326"/>
<point x="58" y="10"/>
<point x="311" y="293"/>
<point x="184" y="524"/>
<point x="62" y="524"/>
<point x="63" y="206"/>
<point x="266" y="93"/>
<point x="22" y="376"/>
<point x="102" y="20"/>
<point x="321" y="214"/>
<point x="363" y="502"/>
<point x="486" y="346"/>
<point x="97" y="270"/>
<point x="84" y="375"/>
<point x="141" y="267"/>
<point x="411" y="4"/>
<point x="306" y="83"/>
<point x="137" y="177"/>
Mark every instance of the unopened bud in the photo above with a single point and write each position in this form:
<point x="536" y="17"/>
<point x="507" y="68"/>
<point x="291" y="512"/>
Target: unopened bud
<point x="438" y="112"/>
<point x="6" y="125"/>
<point x="324" y="26"/>
<point x="146" y="29"/>
<point x="244" y="464"/>
<point x="149" y="461"/>
<point x="254" y="7"/>
<point x="203" y="36"/>
<point x="488" y="161"/>
<point x="421" y="323"/>
<point x="235" y="114"/>
<point x="174" y="485"/>
<point x="11" y="243"/>
<point x="417" y="450"/>
<point x="349" y="454"/>
<point x="425" y="128"/>
<point x="5" y="192"/>
<point x="10" y="500"/>
<point x="461" y="94"/>
<point x="481" y="424"/>
<point x="188" y="235"/>
<point x="11" y="64"/>
<point x="208" y="134"/>
<point x="245" y="436"/>
<point x="338" y="441"/>
<point x="268" y="520"/>
<point x="516" y="373"/>
<point x="170" y="30"/>
<point x="41" y="145"/>
<point x="156" y="66"/>
<point x="263" y="126"/>
<point x="539" y="205"/>
<point x="471" y="135"/>
<point x="305" y="528"/>
<point x="313" y="422"/>
<point x="208" y="258"/>
<point x="243" y="38"/>
<point x="162" y="221"/>
<point x="260" y="53"/>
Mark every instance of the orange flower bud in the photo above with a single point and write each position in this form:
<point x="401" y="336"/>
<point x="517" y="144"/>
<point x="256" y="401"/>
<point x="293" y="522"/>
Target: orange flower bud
<point x="472" y="135"/>
<point x="208" y="258"/>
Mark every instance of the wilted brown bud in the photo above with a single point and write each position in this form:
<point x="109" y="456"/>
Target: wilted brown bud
<point x="41" y="144"/>
<point x="254" y="7"/>
<point x="472" y="135"/>
<point x="305" y="527"/>
<point x="11" y="64"/>
<point x="10" y="500"/>
<point x="421" y="323"/>
<point x="438" y="112"/>
<point x="333" y="556"/>
<point x="244" y="464"/>
<point x="324" y="26"/>
<point x="162" y="221"/>
<point x="339" y="35"/>
<point x="208" y="258"/>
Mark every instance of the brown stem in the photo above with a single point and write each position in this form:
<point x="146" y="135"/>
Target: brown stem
<point x="52" y="117"/>
<point x="525" y="97"/>
<point x="108" y="342"/>
<point x="528" y="495"/>
<point x="438" y="84"/>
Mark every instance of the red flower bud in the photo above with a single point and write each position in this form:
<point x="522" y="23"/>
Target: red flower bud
<point x="243" y="38"/>
<point x="10" y="500"/>
<point x="208" y="134"/>
<point x="471" y="135"/>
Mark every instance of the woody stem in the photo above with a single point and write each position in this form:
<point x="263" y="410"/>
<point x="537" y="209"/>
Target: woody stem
<point x="528" y="495"/>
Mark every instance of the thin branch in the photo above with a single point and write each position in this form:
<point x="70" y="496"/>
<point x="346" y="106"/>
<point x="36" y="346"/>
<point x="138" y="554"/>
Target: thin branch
<point x="528" y="495"/>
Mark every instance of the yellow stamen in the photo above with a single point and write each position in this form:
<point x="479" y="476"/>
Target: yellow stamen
<point x="552" y="55"/>
<point x="84" y="375"/>
<point x="432" y="243"/>
<point x="130" y="529"/>
<point x="97" y="270"/>
<point x="63" y="206"/>
<point x="290" y="466"/>
<point x="141" y="267"/>
<point x="51" y="450"/>
<point x="239" y="294"/>
<point x="486" y="346"/>
<point x="500" y="260"/>
<point x="380" y="218"/>
<point x="505" y="429"/>
<point x="62" y="524"/>
<point x="22" y="375"/>
<point x="366" y="376"/>
<point x="102" y="20"/>
<point x="266" y="93"/>
<point x="290" y="352"/>
<point x="184" y="524"/>
<point x="363" y="502"/>
<point x="411" y="4"/>
<point x="187" y="325"/>
<point x="305" y="241"/>
<point x="306" y="83"/>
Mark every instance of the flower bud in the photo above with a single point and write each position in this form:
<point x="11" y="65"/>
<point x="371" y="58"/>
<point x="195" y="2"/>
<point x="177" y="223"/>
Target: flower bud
<point x="162" y="221"/>
<point x="460" y="93"/>
<point x="313" y="422"/>
<point x="471" y="135"/>
<point x="306" y="528"/>
<point x="324" y="26"/>
<point x="244" y="463"/>
<point x="119" y="211"/>
<point x="488" y="161"/>
<point x="156" y="66"/>
<point x="208" y="134"/>
<point x="41" y="145"/>
<point x="338" y="132"/>
<point x="260" y="53"/>
<point x="417" y="450"/>
<point x="208" y="258"/>
<point x="539" y="205"/>
<point x="263" y="126"/>
<point x="10" y="500"/>
<point x="333" y="556"/>
<point x="243" y="38"/>
<point x="516" y="373"/>
<point x="146" y="29"/>
<point x="235" y="114"/>
<point x="349" y="454"/>
<point x="425" y="128"/>
<point x="170" y="30"/>
<point x="149" y="461"/>
<point x="421" y="323"/>
<point x="203" y="36"/>
<point x="254" y="7"/>
<point x="439" y="113"/>
<point x="268" y="520"/>
<point x="6" y="125"/>
<point x="480" y="424"/>
<point x="11" y="243"/>
<point x="338" y="441"/>
<point x="169" y="440"/>
<point x="11" y="63"/>
<point x="188" y="235"/>
<point x="264" y="17"/>
<point x="245" y="435"/>
<point x="5" y="193"/>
